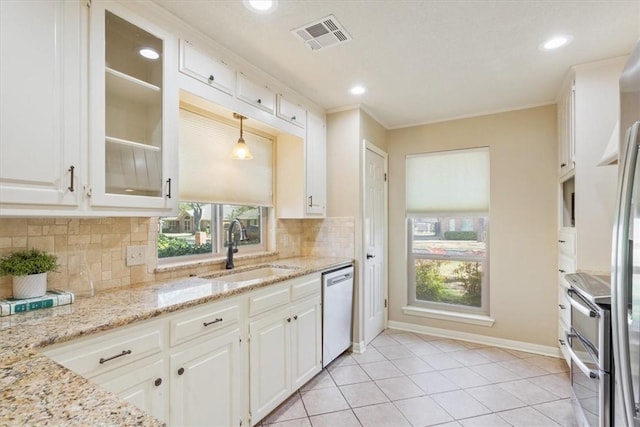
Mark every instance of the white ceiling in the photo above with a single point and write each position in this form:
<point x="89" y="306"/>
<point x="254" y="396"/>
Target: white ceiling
<point x="422" y="60"/>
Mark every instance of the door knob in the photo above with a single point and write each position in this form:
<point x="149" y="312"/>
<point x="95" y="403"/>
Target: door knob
<point x="369" y="256"/>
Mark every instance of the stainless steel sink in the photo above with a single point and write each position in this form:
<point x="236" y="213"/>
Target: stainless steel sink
<point x="252" y="276"/>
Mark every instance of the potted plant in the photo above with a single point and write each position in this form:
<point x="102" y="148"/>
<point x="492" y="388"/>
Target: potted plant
<point x="29" y="270"/>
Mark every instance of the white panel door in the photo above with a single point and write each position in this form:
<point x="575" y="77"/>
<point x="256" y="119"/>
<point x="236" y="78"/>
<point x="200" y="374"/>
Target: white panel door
<point x="306" y="341"/>
<point x="269" y="362"/>
<point x="206" y="382"/>
<point x="40" y="102"/>
<point x="374" y="244"/>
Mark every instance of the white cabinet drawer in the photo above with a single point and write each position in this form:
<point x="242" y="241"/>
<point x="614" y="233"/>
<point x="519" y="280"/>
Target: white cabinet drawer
<point x="567" y="242"/>
<point x="566" y="264"/>
<point x="206" y="68"/>
<point x="291" y="112"/>
<point x="203" y="320"/>
<point x="304" y="286"/>
<point x="104" y="352"/>
<point x="272" y="297"/>
<point x="256" y="95"/>
<point x="564" y="309"/>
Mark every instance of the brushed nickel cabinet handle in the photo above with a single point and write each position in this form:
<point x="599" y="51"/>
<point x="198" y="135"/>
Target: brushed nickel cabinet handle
<point x="168" y="188"/>
<point x="219" y="319"/>
<point x="71" y="170"/>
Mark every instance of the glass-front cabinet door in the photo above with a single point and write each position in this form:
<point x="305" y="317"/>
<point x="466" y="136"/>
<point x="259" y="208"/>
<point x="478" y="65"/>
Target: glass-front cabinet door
<point x="133" y="112"/>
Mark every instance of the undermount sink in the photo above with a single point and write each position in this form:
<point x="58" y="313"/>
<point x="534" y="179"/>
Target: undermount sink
<point x="255" y="275"/>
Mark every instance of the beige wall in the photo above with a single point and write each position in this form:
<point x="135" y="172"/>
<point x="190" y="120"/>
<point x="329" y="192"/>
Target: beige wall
<point x="104" y="241"/>
<point x="523" y="277"/>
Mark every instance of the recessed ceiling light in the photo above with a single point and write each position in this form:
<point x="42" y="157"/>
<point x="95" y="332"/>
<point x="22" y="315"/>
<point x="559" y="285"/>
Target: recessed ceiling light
<point x="261" y="6"/>
<point x="149" y="53"/>
<point x="556" y="42"/>
<point x="357" y="90"/>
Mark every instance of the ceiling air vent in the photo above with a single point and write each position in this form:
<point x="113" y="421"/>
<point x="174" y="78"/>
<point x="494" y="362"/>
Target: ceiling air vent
<point x="322" y="33"/>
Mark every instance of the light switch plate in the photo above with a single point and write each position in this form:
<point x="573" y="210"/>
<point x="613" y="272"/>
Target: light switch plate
<point x="135" y="255"/>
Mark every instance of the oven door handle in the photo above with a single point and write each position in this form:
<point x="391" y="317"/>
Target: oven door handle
<point x="583" y="309"/>
<point x="579" y="363"/>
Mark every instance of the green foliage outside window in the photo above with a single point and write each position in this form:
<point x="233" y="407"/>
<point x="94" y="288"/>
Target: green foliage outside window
<point x="459" y="283"/>
<point x="173" y="246"/>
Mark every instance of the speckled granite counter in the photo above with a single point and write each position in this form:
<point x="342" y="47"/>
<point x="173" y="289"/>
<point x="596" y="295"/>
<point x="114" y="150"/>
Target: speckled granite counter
<point x="34" y="390"/>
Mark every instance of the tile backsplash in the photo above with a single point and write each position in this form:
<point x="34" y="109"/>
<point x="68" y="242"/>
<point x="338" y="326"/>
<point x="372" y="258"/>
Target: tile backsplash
<point x="99" y="246"/>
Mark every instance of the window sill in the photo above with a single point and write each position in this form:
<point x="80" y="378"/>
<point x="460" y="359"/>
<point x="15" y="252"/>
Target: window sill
<point x="473" y="319"/>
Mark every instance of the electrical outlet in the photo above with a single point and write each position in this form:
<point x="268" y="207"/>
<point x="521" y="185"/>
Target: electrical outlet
<point x="135" y="255"/>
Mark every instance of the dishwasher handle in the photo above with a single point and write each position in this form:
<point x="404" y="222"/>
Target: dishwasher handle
<point x="339" y="279"/>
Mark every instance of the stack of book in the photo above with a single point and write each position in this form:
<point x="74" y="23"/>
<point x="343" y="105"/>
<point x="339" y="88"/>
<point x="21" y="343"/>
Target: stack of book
<point x="52" y="298"/>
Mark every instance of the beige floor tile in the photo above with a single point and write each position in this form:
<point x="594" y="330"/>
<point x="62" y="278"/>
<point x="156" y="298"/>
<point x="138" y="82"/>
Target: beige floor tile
<point x="495" y="373"/>
<point x="349" y="375"/>
<point x="300" y="422"/>
<point x="447" y="345"/>
<point x="345" y="359"/>
<point x="529" y="393"/>
<point x="422" y="411"/>
<point x="496" y="354"/>
<point x="441" y="361"/>
<point x="423" y="348"/>
<point x="460" y="404"/>
<point x="399" y="388"/>
<point x="369" y="356"/>
<point x="322" y="380"/>
<point x="469" y="357"/>
<point x="465" y="377"/>
<point x="407" y="338"/>
<point x="397" y="351"/>
<point x="560" y="411"/>
<point x="382" y="415"/>
<point x="523" y="368"/>
<point x="495" y="398"/>
<point x="527" y="417"/>
<point x="558" y="384"/>
<point x="490" y="420"/>
<point x="323" y="400"/>
<point x="291" y="409"/>
<point x="412" y="365"/>
<point x="381" y="370"/>
<point x="550" y="364"/>
<point x="433" y="382"/>
<point x="336" y="419"/>
<point x="383" y="340"/>
<point x="363" y="394"/>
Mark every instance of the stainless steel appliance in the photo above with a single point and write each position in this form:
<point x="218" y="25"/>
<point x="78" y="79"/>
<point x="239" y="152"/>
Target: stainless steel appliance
<point x="337" y="313"/>
<point x="589" y="345"/>
<point x="625" y="274"/>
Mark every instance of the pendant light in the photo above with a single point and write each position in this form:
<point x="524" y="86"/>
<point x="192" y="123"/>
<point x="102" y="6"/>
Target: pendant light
<point x="241" y="150"/>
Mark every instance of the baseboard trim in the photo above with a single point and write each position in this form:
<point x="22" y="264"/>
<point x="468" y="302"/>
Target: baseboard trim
<point x="479" y="339"/>
<point x="358" y="347"/>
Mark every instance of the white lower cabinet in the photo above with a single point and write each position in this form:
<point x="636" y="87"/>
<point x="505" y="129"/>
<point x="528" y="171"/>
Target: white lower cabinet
<point x="284" y="347"/>
<point x="206" y="382"/>
<point x="142" y="383"/>
<point x="194" y="367"/>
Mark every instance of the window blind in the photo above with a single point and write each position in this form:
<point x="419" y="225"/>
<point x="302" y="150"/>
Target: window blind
<point x="207" y="172"/>
<point x="448" y="181"/>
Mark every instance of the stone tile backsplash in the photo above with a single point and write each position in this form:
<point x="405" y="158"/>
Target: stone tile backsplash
<point x="99" y="246"/>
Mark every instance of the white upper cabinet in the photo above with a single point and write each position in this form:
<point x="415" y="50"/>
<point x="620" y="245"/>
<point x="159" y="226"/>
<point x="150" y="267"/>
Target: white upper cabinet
<point x="316" y="165"/>
<point x="259" y="96"/>
<point x="566" y="131"/>
<point x="133" y="108"/>
<point x="291" y="112"/>
<point x="206" y="69"/>
<point x="40" y="105"/>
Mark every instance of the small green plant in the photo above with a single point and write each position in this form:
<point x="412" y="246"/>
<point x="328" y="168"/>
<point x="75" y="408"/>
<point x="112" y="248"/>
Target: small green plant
<point x="460" y="235"/>
<point x="30" y="261"/>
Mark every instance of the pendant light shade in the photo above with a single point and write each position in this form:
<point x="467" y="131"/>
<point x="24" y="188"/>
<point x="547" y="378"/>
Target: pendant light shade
<point x="241" y="150"/>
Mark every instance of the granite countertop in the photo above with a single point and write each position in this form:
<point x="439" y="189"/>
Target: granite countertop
<point x="35" y="390"/>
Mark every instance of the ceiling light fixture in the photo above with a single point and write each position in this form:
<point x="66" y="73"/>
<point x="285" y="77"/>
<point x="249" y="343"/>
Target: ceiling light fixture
<point x="556" y="42"/>
<point x="357" y="90"/>
<point x="149" y="53"/>
<point x="241" y="150"/>
<point x="261" y="6"/>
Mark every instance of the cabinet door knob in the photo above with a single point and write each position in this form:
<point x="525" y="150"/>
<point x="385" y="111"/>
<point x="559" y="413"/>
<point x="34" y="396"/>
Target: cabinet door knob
<point x="563" y="165"/>
<point x="157" y="382"/>
<point x="211" y="78"/>
<point x="289" y="319"/>
<point x="561" y="241"/>
<point x="259" y="101"/>
<point x="295" y="317"/>
<point x="180" y="371"/>
<point x="562" y="306"/>
<point x="562" y="271"/>
<point x="561" y="342"/>
<point x="293" y="118"/>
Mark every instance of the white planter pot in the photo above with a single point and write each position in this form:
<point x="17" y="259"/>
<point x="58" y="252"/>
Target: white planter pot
<point x="31" y="286"/>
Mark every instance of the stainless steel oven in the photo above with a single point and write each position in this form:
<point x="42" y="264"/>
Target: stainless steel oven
<point x="589" y="345"/>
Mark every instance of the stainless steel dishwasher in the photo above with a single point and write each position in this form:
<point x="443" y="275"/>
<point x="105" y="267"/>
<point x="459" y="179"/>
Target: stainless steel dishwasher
<point x="337" y="312"/>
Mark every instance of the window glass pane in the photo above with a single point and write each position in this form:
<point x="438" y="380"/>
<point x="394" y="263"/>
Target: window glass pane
<point x="189" y="233"/>
<point x="449" y="259"/>
<point x="249" y="217"/>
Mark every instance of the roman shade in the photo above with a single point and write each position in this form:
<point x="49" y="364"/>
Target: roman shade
<point x="207" y="172"/>
<point x="454" y="181"/>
